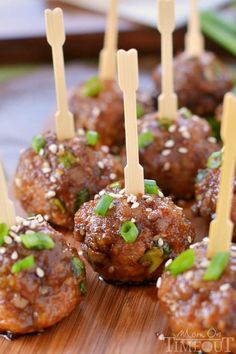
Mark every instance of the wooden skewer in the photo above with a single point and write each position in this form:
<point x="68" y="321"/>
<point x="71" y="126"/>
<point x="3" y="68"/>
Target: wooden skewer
<point x="221" y="229"/>
<point x="194" y="41"/>
<point x="107" y="60"/>
<point x="167" y="101"/>
<point x="7" y="210"/>
<point x="128" y="81"/>
<point x="56" y="38"/>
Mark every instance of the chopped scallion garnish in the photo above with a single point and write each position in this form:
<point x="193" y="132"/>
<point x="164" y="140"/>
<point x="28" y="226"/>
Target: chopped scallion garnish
<point x="92" y="87"/>
<point x="92" y="137"/>
<point x="215" y="160"/>
<point x="182" y="263"/>
<point x="129" y="231"/>
<point x="103" y="205"/>
<point x="115" y="185"/>
<point x="150" y="187"/>
<point x="67" y="159"/>
<point x="23" y="264"/>
<point x="185" y="112"/>
<point x="217" y="266"/>
<point x="77" y="266"/>
<point x="83" y="288"/>
<point x="4" y="230"/>
<point x="145" y="139"/>
<point x="81" y="197"/>
<point x="37" y="241"/>
<point x="59" y="204"/>
<point x="38" y="143"/>
<point x="140" y="111"/>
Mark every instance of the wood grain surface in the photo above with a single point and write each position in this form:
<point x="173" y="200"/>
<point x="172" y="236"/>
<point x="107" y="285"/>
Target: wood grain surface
<point x="111" y="320"/>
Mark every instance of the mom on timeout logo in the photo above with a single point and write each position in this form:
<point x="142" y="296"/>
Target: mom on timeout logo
<point x="210" y="342"/>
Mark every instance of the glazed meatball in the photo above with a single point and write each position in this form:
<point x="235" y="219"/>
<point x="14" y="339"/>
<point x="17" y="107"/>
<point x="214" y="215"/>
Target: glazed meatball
<point x="207" y="189"/>
<point x="130" y="242"/>
<point x="202" y="309"/>
<point x="38" y="273"/>
<point x="98" y="106"/>
<point x="172" y="152"/>
<point x="200" y="83"/>
<point x="55" y="178"/>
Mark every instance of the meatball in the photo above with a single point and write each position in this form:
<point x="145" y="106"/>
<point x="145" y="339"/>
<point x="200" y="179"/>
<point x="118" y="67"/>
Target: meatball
<point x="55" y="178"/>
<point x="207" y="189"/>
<point x="172" y="152"/>
<point x="200" y="83"/>
<point x="98" y="106"/>
<point x="202" y="309"/>
<point x="38" y="273"/>
<point x="132" y="240"/>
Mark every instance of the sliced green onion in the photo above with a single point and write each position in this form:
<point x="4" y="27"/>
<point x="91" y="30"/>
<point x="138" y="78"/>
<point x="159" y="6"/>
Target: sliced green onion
<point x="115" y="185"/>
<point x="215" y="160"/>
<point x="77" y="266"/>
<point x="151" y="186"/>
<point x="140" y="111"/>
<point x="154" y="258"/>
<point x="183" y="262"/>
<point x="83" y="288"/>
<point x="67" y="159"/>
<point x="38" y="143"/>
<point x="92" y="137"/>
<point x="185" y="112"/>
<point x="215" y="126"/>
<point x="4" y="230"/>
<point x="37" y="241"/>
<point x="59" y="204"/>
<point x="103" y="205"/>
<point x="23" y="264"/>
<point x="165" y="122"/>
<point x="201" y="175"/>
<point x="92" y="87"/>
<point x="145" y="139"/>
<point x="81" y="197"/>
<point x="217" y="266"/>
<point x="129" y="231"/>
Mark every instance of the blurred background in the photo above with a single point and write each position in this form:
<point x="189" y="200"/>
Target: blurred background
<point x="27" y="97"/>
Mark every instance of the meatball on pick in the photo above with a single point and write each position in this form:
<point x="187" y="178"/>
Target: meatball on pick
<point x="207" y="189"/>
<point x="172" y="151"/>
<point x="55" y="178"/>
<point x="38" y="273"/>
<point x="200" y="302"/>
<point x="128" y="238"/>
<point x="200" y="82"/>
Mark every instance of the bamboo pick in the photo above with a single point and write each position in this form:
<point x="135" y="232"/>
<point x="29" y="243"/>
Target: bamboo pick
<point x="167" y="101"/>
<point x="128" y="81"/>
<point x="56" y="38"/>
<point x="107" y="59"/>
<point x="7" y="210"/>
<point x="221" y="229"/>
<point x="194" y="41"/>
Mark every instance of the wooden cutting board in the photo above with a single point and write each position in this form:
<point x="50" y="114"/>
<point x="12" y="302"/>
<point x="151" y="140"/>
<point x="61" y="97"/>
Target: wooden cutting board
<point x="111" y="320"/>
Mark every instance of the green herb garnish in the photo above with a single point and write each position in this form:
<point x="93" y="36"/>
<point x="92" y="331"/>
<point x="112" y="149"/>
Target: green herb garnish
<point x="165" y="122"/>
<point x="92" y="87"/>
<point x="77" y="266"/>
<point x="201" y="175"/>
<point x="215" y="160"/>
<point x="81" y="197"/>
<point x="103" y="205"/>
<point x="38" y="143"/>
<point x="145" y="139"/>
<point x="67" y="159"/>
<point x="215" y="126"/>
<point x="37" y="241"/>
<point x="185" y="112"/>
<point x="4" y="230"/>
<point x="154" y="257"/>
<point x="183" y="262"/>
<point x="115" y="185"/>
<point x="217" y="266"/>
<point x="83" y="288"/>
<point x="151" y="187"/>
<point x="140" y="111"/>
<point x="23" y="264"/>
<point x="92" y="137"/>
<point x="129" y="231"/>
<point x="59" y="204"/>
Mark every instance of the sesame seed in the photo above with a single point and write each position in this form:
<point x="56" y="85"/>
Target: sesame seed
<point x="113" y="176"/>
<point x="133" y="220"/>
<point x="19" y="220"/>
<point x="212" y="139"/>
<point x="17" y="239"/>
<point x="160" y="242"/>
<point x="101" y="193"/>
<point x="206" y="239"/>
<point x="46" y="217"/>
<point x="50" y="194"/>
<point x="158" y="284"/>
<point x="96" y="111"/>
<point x="169" y="262"/>
<point x="105" y="148"/>
<point x="161" y="337"/>
<point x="172" y="129"/>
<point x="189" y="239"/>
<point x="169" y="143"/>
<point x="166" y="152"/>
<point x="204" y="264"/>
<point x="14" y="255"/>
<point x="81" y="131"/>
<point x="41" y="152"/>
<point x="2" y="250"/>
<point x="39" y="272"/>
<point x="183" y="129"/>
<point x="135" y="205"/>
<point x="26" y="222"/>
<point x="183" y="150"/>
<point x="8" y="240"/>
<point x="160" y="194"/>
<point x="18" y="182"/>
<point x="225" y="287"/>
<point x="61" y="148"/>
<point x="188" y="275"/>
<point x="186" y="134"/>
<point x="29" y="232"/>
<point x="40" y="218"/>
<point x="100" y="165"/>
<point x="166" y="166"/>
<point x="149" y="210"/>
<point x="53" y="148"/>
<point x="46" y="169"/>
